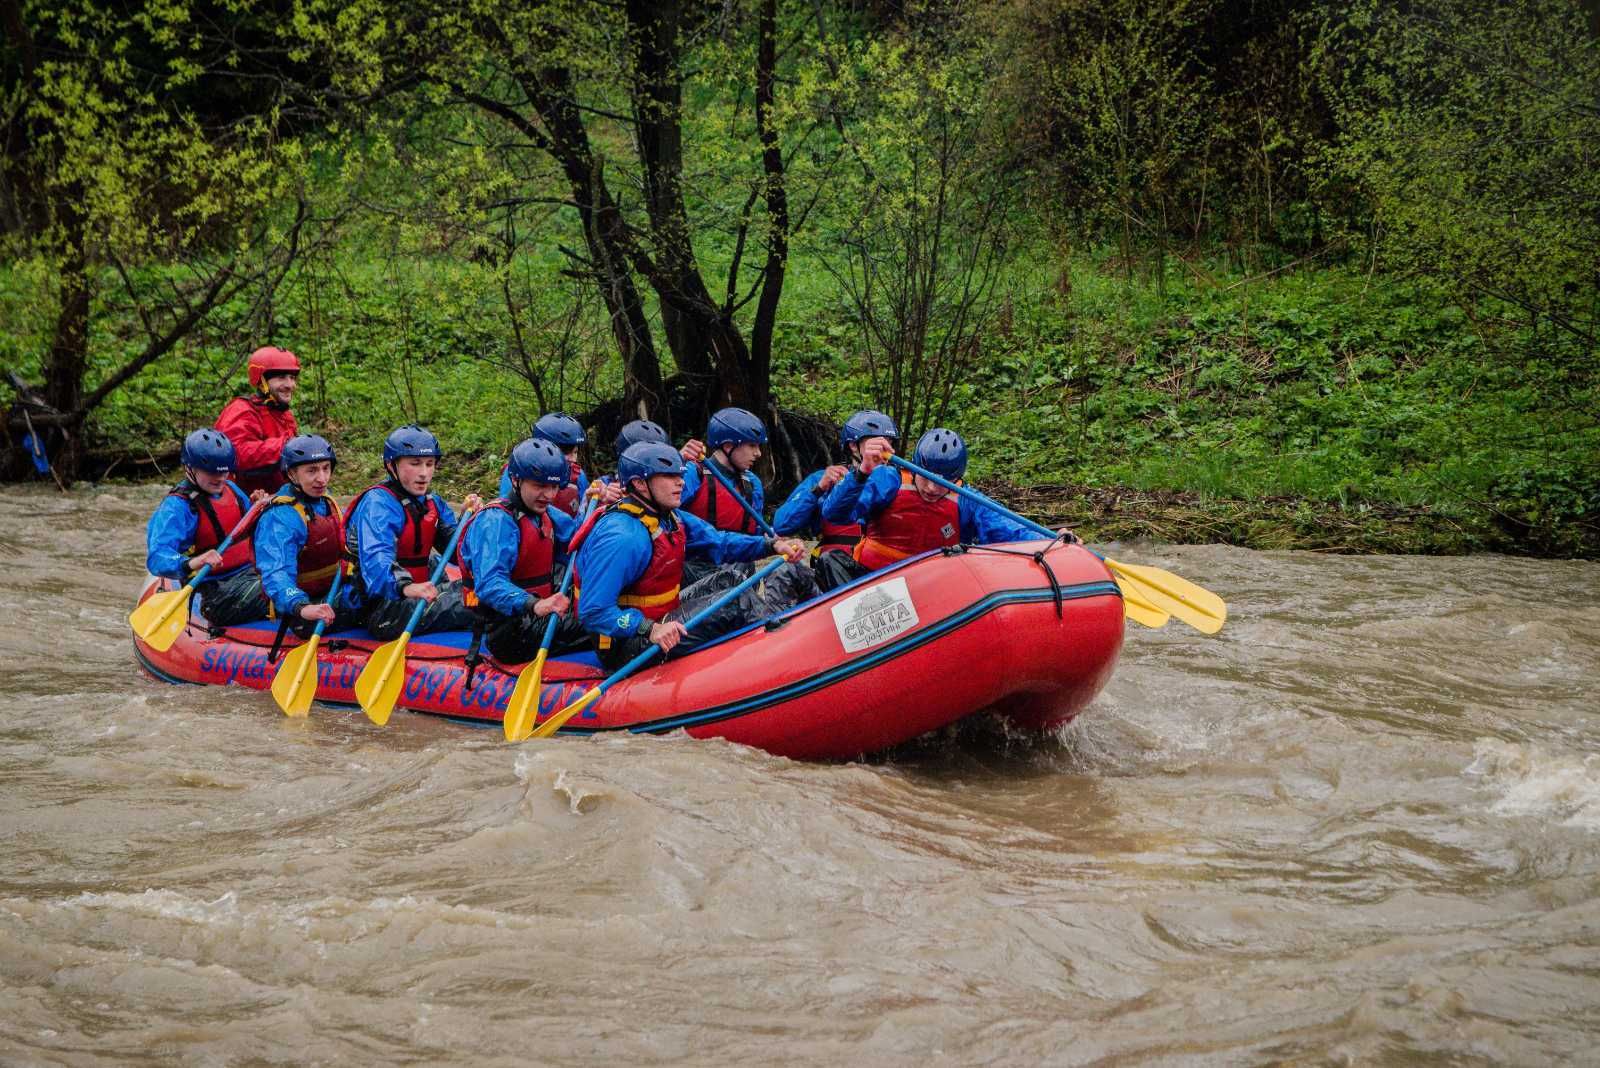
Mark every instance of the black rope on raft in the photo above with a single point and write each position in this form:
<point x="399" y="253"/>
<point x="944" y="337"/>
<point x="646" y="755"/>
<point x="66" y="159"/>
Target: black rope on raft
<point x="1037" y="557"/>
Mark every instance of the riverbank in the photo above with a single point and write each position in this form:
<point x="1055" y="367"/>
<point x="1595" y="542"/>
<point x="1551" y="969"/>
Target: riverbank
<point x="1121" y="513"/>
<point x="1319" y="407"/>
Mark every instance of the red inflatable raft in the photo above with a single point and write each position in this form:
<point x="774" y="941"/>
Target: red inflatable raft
<point x="1030" y="635"/>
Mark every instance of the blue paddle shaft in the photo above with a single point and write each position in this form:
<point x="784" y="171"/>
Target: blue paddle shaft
<point x="972" y="495"/>
<point x="700" y="617"/>
<point x="438" y="569"/>
<point x="711" y="465"/>
<point x="566" y="580"/>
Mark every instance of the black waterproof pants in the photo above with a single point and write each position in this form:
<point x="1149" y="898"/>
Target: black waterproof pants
<point x="783" y="589"/>
<point x="835" y="569"/>
<point x="233" y="600"/>
<point x="515" y="639"/>
<point x="388" y="616"/>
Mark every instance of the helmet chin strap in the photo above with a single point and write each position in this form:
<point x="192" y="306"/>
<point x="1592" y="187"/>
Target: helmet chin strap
<point x="516" y="496"/>
<point x="265" y="389"/>
<point x="647" y="499"/>
<point x="394" y="480"/>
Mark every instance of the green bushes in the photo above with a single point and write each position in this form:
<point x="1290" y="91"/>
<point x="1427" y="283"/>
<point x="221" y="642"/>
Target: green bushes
<point x="1324" y="385"/>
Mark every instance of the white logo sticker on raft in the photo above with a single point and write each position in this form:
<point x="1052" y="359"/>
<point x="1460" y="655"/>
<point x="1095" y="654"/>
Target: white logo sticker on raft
<point x="874" y="615"/>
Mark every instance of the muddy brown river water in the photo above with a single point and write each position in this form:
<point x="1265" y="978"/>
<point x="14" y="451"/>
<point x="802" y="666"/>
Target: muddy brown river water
<point x="1361" y="825"/>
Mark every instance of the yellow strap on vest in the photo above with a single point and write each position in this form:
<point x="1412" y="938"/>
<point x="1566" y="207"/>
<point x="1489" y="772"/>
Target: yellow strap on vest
<point x="651" y="523"/>
<point x="305" y="513"/>
<point x="319" y="573"/>
<point x="877" y="546"/>
<point x="648" y="600"/>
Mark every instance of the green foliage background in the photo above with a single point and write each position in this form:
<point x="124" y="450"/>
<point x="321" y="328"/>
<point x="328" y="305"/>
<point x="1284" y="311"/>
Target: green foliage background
<point x="1346" y="278"/>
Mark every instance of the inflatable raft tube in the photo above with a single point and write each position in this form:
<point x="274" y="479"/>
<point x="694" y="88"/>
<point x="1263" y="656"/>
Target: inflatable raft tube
<point x="1029" y="631"/>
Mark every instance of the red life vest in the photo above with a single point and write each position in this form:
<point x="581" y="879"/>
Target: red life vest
<point x="655" y="592"/>
<point x="909" y="525"/>
<point x="567" y="499"/>
<point x="536" y="550"/>
<point x="717" y="506"/>
<point x="323" y="552"/>
<point x="838" y="537"/>
<point x="215" y="519"/>
<point x="416" y="538"/>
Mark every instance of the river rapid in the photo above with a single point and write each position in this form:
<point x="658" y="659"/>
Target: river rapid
<point x="1360" y="825"/>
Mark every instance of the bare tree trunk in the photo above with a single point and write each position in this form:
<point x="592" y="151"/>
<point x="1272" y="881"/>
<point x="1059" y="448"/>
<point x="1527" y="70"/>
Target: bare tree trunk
<point x="657" y="103"/>
<point x="606" y="235"/>
<point x="68" y="359"/>
<point x="551" y="94"/>
<point x="777" y="200"/>
<point x="702" y="333"/>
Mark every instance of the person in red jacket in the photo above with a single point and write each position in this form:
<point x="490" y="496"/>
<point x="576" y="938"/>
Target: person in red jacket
<point x="260" y="425"/>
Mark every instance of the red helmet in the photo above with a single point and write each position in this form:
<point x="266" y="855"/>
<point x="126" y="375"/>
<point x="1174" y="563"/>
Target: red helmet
<point x="270" y="361"/>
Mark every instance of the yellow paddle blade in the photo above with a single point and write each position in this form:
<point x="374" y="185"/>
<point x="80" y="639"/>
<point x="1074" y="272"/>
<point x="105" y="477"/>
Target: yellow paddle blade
<point x="161" y="618"/>
<point x="524" y="703"/>
<point x="1140" y="610"/>
<point x="378" y="687"/>
<point x="553" y="724"/>
<point x="1196" y="606"/>
<point x="296" y="682"/>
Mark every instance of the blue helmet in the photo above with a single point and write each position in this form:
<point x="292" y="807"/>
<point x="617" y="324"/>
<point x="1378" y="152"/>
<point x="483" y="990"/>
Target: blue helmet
<point x="560" y="429"/>
<point x="867" y="424"/>
<point x="942" y="452"/>
<point x="209" y="450"/>
<point x="539" y="461"/>
<point x="646" y="459"/>
<point x="306" y="449"/>
<point x="734" y="426"/>
<point x="410" y="440"/>
<point x="638" y="432"/>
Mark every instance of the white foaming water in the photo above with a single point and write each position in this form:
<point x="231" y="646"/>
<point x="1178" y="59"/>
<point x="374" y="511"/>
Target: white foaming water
<point x="1532" y="782"/>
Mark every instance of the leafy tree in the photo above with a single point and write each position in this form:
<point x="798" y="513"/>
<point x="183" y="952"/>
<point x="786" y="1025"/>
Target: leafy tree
<point x="931" y="215"/>
<point x="1154" y="123"/>
<point x="1111" y="95"/>
<point x="1473" y="130"/>
<point x="636" y="119"/>
<point x="145" y="167"/>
